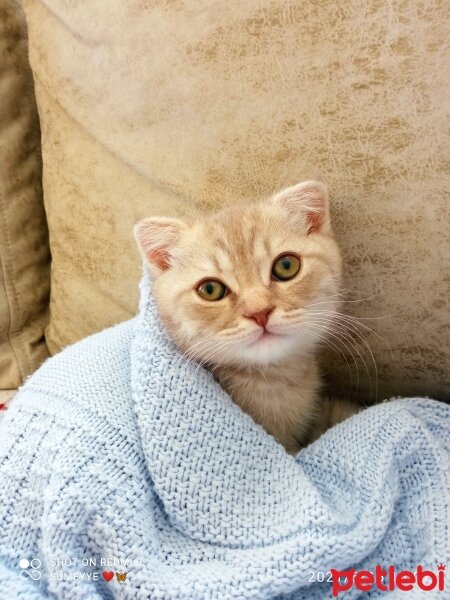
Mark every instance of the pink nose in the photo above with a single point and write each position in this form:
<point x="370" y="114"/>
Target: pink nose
<point x="262" y="316"/>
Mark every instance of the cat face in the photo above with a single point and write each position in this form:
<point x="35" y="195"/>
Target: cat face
<point x="250" y="285"/>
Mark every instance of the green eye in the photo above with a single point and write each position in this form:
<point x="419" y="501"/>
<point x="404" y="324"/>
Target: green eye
<point x="286" y="267"/>
<point x="212" y="290"/>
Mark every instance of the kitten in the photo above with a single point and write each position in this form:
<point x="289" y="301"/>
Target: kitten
<point x="242" y="290"/>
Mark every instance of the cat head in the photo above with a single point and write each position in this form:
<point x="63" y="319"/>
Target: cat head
<point x="250" y="285"/>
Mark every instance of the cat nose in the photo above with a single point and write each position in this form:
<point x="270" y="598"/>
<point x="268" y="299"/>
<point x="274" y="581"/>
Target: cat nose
<point x="262" y="316"/>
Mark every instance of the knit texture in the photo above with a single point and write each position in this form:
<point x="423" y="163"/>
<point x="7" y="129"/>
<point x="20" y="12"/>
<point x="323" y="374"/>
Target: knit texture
<point x="119" y="447"/>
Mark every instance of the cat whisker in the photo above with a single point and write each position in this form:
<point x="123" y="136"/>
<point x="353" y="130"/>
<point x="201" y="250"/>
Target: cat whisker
<point x="351" y="326"/>
<point x="340" y="331"/>
<point x="242" y="336"/>
<point x="232" y="332"/>
<point x="218" y="363"/>
<point x="181" y="342"/>
<point x="325" y="331"/>
<point x="189" y="353"/>
<point x="330" y="321"/>
<point x="347" y="291"/>
<point x="321" y="338"/>
<point x="355" y="321"/>
<point x="212" y="349"/>
<point x="336" y="301"/>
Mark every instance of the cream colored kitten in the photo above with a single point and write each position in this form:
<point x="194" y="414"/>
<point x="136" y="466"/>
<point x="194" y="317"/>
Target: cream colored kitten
<point x="242" y="290"/>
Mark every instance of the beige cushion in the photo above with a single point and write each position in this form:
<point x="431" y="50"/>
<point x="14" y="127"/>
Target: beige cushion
<point x="24" y="251"/>
<point x="152" y="108"/>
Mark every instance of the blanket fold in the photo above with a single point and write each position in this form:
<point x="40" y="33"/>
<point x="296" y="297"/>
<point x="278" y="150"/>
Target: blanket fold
<point x="119" y="455"/>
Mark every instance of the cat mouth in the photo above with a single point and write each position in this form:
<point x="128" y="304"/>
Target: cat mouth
<point x="266" y="335"/>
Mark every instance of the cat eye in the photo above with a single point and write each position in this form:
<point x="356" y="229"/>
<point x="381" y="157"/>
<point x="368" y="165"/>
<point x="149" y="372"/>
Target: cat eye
<point x="285" y="267"/>
<point x="212" y="289"/>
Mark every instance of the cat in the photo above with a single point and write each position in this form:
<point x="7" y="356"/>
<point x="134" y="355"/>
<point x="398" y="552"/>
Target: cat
<point x="242" y="292"/>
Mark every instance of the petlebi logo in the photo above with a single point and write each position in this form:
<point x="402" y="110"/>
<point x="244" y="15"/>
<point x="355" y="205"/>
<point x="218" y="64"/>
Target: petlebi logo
<point x="30" y="568"/>
<point x="389" y="579"/>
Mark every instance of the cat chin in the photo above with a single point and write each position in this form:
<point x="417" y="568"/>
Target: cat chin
<point x="272" y="349"/>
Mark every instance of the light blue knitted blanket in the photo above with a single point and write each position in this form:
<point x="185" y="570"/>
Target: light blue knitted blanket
<point x="120" y="456"/>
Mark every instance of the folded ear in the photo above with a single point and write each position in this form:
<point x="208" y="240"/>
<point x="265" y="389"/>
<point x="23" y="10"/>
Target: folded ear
<point x="307" y="203"/>
<point x="156" y="236"/>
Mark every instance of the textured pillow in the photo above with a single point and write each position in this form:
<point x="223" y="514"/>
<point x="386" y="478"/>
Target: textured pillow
<point x="154" y="108"/>
<point x="24" y="251"/>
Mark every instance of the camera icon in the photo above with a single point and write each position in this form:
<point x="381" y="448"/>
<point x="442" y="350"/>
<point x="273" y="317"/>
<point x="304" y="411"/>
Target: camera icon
<point x="30" y="568"/>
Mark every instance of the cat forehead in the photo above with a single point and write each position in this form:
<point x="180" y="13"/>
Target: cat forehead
<point x="237" y="235"/>
<point x="237" y="241"/>
<point x="239" y="231"/>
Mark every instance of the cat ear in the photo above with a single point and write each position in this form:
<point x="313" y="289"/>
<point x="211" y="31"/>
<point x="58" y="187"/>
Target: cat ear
<point x="156" y="236"/>
<point x="307" y="203"/>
